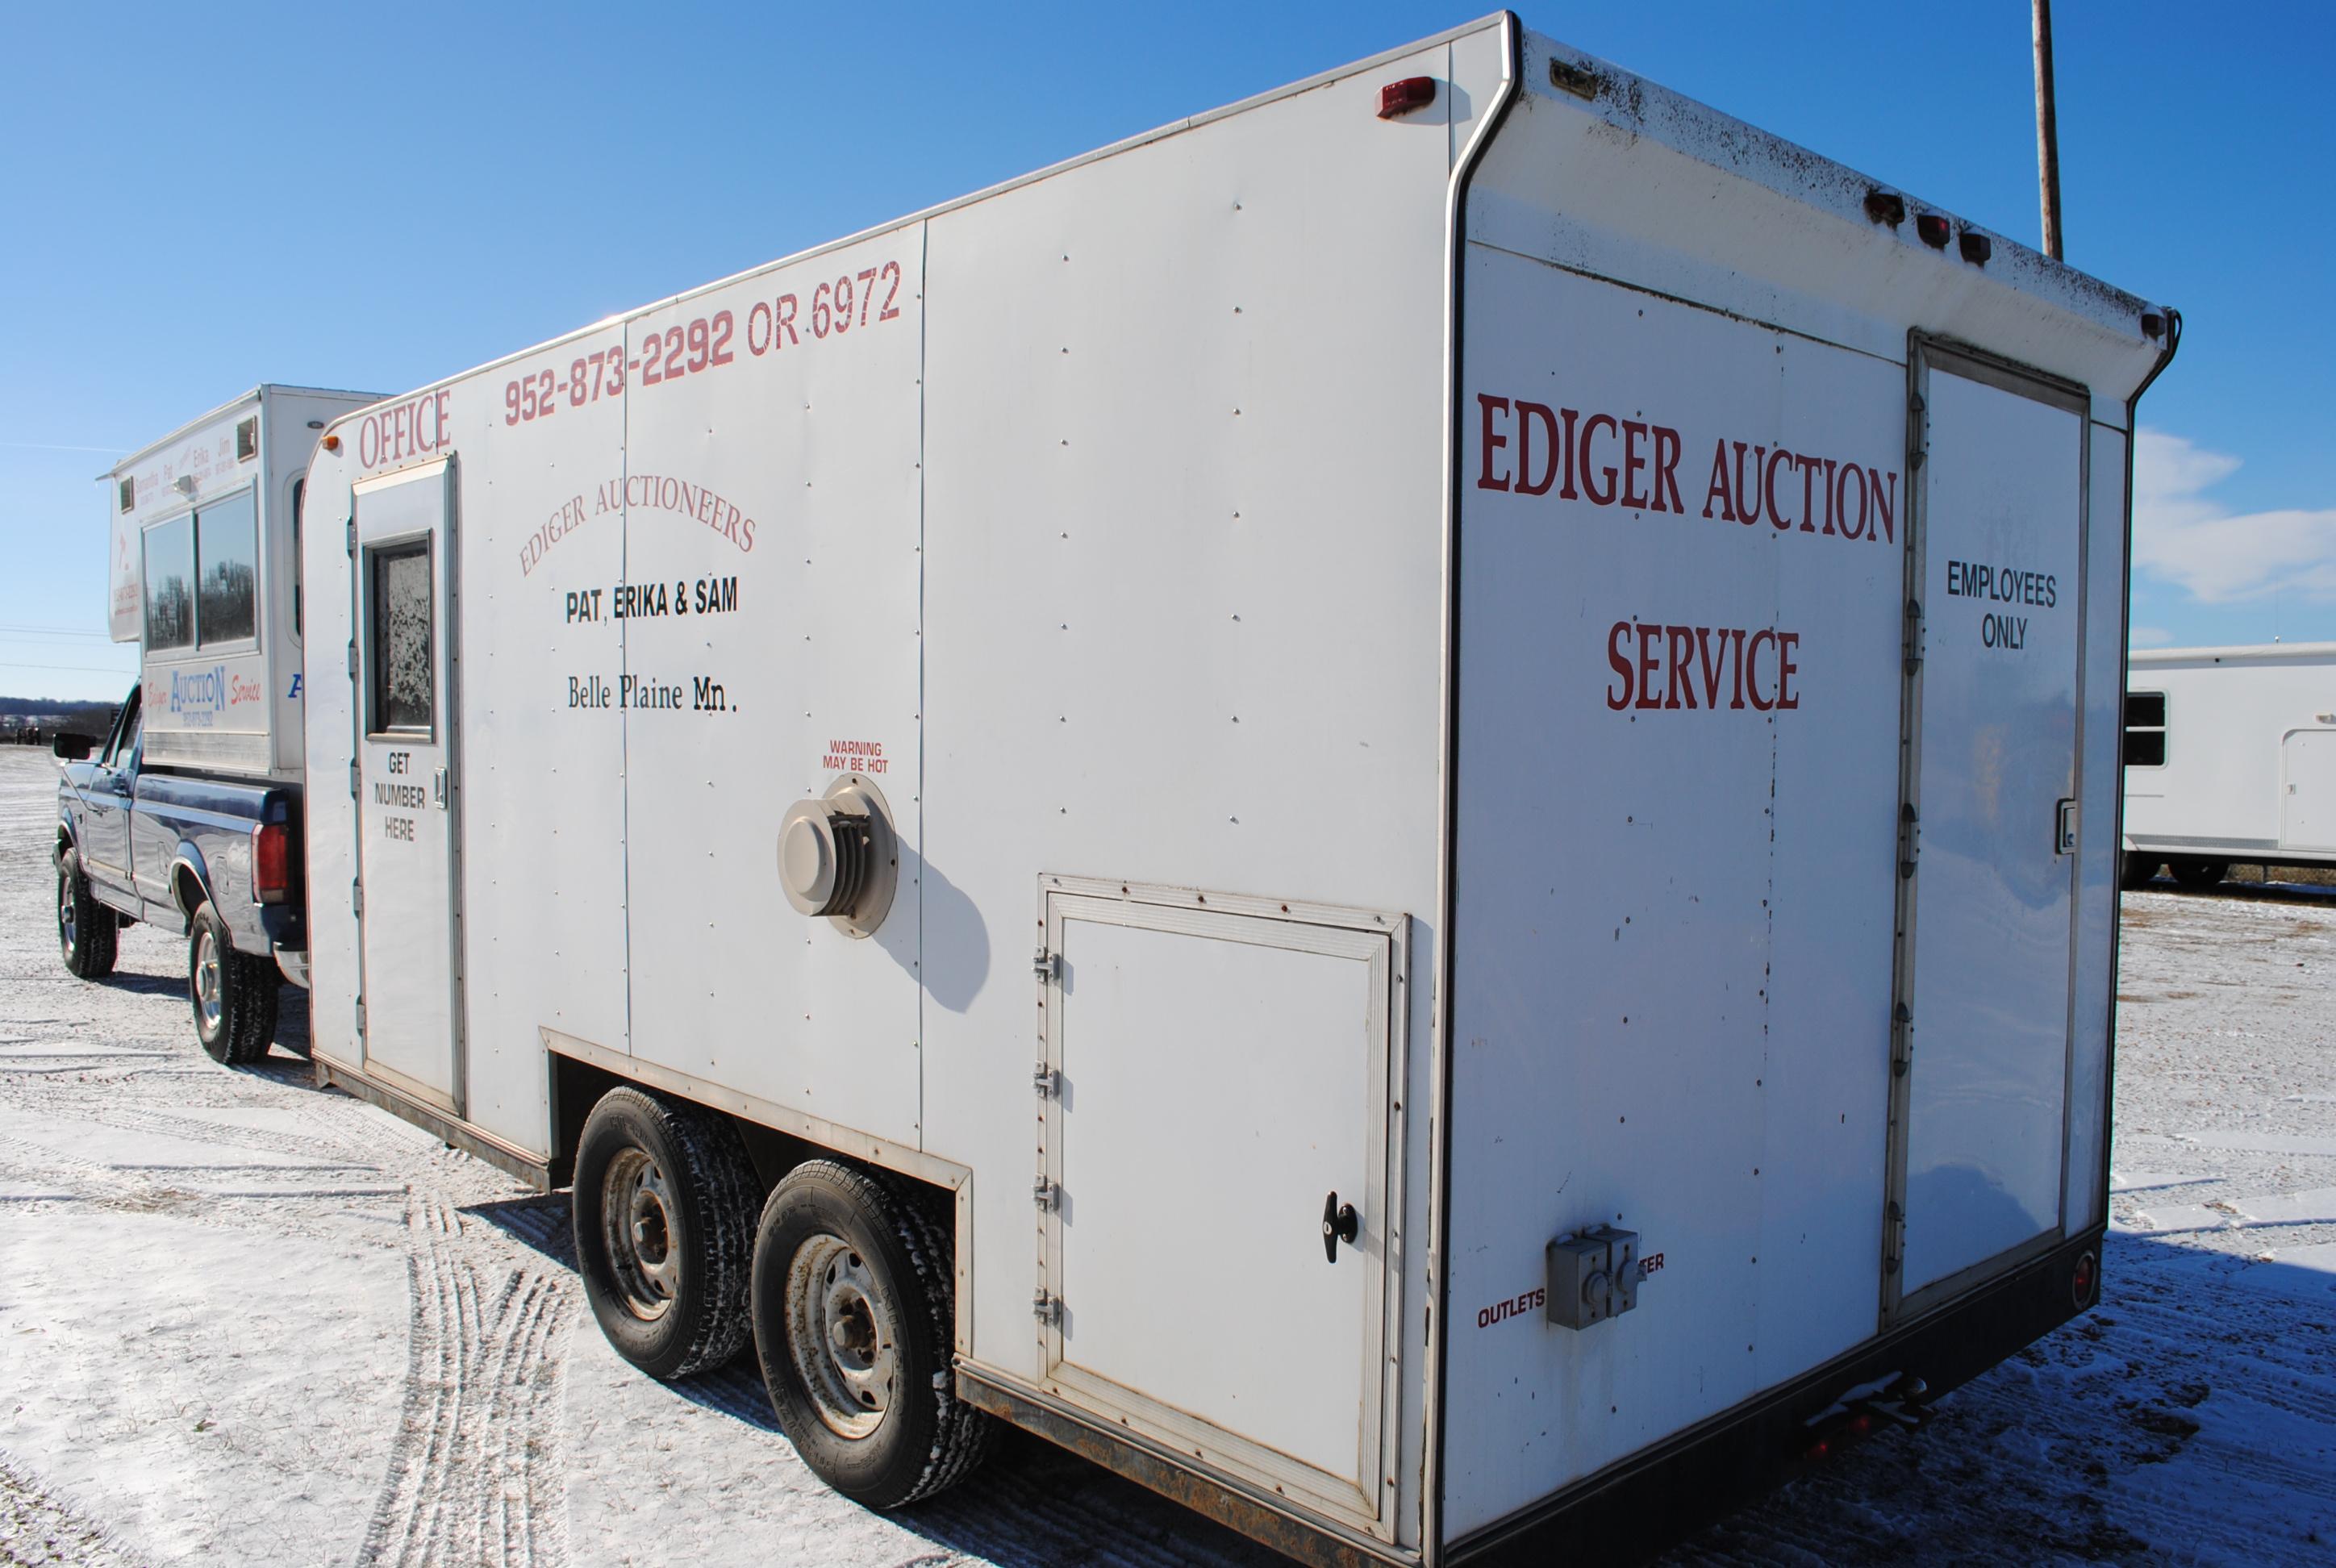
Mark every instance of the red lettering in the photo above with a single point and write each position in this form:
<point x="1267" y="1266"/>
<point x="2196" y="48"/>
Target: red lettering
<point x="1648" y="659"/>
<point x="1830" y="507"/>
<point x="1589" y="429"/>
<point x="1631" y="463"/>
<point x="1768" y="488"/>
<point x="1808" y="466"/>
<point x="784" y="321"/>
<point x="1884" y="510"/>
<point x="1786" y="668"/>
<point x="1682" y="643"/>
<point x="1667" y="456"/>
<point x="1748" y="496"/>
<point x="1568" y="492"/>
<point x="1621" y="663"/>
<point x="1850" y="471"/>
<point x="1738" y="635"/>
<point x="1720" y="484"/>
<point x="1752" y="669"/>
<point x="1526" y="413"/>
<point x="1711" y="668"/>
<point x="1492" y="442"/>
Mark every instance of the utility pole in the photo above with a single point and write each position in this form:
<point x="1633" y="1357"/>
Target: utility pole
<point x="2047" y="131"/>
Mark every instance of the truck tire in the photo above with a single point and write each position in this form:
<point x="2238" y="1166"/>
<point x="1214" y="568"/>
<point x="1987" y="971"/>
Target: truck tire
<point x="853" y="1322"/>
<point x="86" y="929"/>
<point x="233" y="994"/>
<point x="2197" y="875"/>
<point x="664" y="1218"/>
<point x="2134" y="872"/>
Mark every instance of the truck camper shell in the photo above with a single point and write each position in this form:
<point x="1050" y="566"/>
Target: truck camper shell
<point x="1361" y="734"/>
<point x="208" y="518"/>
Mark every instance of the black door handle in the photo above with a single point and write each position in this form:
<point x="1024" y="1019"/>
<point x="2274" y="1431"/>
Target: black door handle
<point x="1339" y="1224"/>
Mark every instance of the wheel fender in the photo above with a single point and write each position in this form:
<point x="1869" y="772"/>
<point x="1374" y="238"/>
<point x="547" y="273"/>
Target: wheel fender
<point x="66" y="838"/>
<point x="189" y="871"/>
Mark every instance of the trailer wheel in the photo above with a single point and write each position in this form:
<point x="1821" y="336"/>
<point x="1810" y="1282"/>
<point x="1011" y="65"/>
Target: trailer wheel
<point x="86" y="929"/>
<point x="2198" y="874"/>
<point x="664" y="1217"/>
<point x="234" y="995"/>
<point x="853" y="1321"/>
<point x="2134" y="872"/>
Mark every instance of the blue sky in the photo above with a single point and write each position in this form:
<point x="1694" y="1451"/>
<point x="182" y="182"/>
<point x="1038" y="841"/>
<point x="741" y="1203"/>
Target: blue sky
<point x="204" y="197"/>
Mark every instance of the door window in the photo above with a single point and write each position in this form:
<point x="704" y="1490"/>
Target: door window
<point x="403" y="691"/>
<point x="170" y="584"/>
<point x="227" y="550"/>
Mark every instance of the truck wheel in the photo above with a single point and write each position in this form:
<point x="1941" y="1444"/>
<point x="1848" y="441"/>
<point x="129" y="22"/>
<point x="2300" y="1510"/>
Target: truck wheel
<point x="854" y="1323"/>
<point x="664" y="1217"/>
<point x="2134" y="872"/>
<point x="2198" y="874"/>
<point x="234" y="994"/>
<point x="85" y="929"/>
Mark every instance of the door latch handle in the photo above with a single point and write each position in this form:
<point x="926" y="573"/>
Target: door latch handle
<point x="438" y="788"/>
<point x="1339" y="1224"/>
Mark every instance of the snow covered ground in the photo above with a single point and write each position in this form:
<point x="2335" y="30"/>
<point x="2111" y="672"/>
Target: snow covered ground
<point x="242" y="1320"/>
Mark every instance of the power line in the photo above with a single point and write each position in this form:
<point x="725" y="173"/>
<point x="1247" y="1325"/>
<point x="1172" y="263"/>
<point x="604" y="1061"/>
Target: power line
<point x="7" y="631"/>
<point x="83" y="668"/>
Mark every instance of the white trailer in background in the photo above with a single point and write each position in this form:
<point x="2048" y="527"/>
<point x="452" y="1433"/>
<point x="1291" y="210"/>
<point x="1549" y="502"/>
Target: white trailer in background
<point x="1538" y="669"/>
<point x="2230" y="755"/>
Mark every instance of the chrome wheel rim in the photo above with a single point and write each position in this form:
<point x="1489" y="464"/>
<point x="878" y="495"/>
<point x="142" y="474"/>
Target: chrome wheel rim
<point x="209" y="999"/>
<point x="837" y="1339"/>
<point x="67" y="928"/>
<point x="637" y="1225"/>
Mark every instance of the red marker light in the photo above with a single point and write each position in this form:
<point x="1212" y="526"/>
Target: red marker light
<point x="271" y="863"/>
<point x="1933" y="229"/>
<point x="1403" y="97"/>
<point x="2085" y="1280"/>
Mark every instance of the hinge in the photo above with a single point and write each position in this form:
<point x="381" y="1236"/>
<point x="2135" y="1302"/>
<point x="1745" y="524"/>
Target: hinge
<point x="1046" y="966"/>
<point x="1046" y="1081"/>
<point x="360" y="1015"/>
<point x="356" y="899"/>
<point x="1047" y="1308"/>
<point x="1047" y="1195"/>
<point x="353" y="778"/>
<point x="353" y="536"/>
<point x="353" y="659"/>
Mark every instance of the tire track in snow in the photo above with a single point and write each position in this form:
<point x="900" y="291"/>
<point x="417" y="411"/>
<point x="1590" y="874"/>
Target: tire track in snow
<point x="474" y="1475"/>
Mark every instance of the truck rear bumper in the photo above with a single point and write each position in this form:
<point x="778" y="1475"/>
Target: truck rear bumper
<point x="293" y="964"/>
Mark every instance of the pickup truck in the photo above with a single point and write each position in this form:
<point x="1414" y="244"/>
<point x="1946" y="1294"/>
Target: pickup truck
<point x="217" y="859"/>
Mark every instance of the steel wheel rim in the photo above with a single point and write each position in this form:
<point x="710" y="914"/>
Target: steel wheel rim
<point x="837" y="1338"/>
<point x="209" y="1000"/>
<point x="636" y="1226"/>
<point x="68" y="928"/>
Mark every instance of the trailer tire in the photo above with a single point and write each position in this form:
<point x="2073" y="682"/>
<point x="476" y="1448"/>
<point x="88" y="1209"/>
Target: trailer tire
<point x="854" y="1319"/>
<point x="86" y="929"/>
<point x="664" y="1218"/>
<point x="234" y="996"/>
<point x="2134" y="872"/>
<point x="2197" y="875"/>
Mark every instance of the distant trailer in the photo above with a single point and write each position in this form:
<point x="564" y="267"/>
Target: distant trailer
<point x="2230" y="756"/>
<point x="1398" y="807"/>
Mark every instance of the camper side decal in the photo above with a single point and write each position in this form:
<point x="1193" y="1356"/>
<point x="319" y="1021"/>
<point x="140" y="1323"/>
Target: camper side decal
<point x="1609" y="460"/>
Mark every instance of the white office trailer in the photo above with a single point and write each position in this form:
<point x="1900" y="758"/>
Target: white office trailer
<point x="1397" y="807"/>
<point x="205" y="569"/>
<point x="2230" y="756"/>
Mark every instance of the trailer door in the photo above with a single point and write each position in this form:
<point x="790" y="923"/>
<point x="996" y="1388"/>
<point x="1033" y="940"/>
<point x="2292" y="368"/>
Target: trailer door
<point x="1987" y="905"/>
<point x="409" y="1007"/>
<point x="1215" y="1183"/>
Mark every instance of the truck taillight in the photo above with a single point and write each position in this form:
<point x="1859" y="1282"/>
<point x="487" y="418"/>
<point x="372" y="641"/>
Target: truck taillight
<point x="271" y="863"/>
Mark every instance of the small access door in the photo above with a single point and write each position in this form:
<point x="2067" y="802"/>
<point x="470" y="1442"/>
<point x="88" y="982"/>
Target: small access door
<point x="410" y="1004"/>
<point x="2307" y="784"/>
<point x="1219" y="1269"/>
<point x="1986" y="919"/>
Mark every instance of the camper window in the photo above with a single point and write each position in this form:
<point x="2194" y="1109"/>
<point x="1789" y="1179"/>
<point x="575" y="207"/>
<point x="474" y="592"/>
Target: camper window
<point x="170" y="584"/>
<point x="227" y="549"/>
<point x="2145" y="729"/>
<point x="401" y="688"/>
